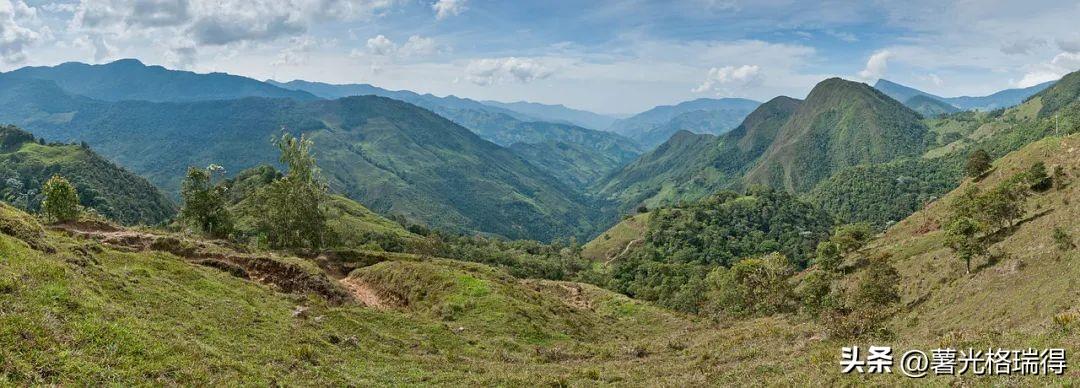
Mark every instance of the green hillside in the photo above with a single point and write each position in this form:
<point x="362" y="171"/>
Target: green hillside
<point x="841" y="124"/>
<point x="928" y="106"/>
<point x="703" y="115"/>
<point x="690" y="166"/>
<point x="25" y="164"/>
<point x="575" y="165"/>
<point x="391" y="156"/>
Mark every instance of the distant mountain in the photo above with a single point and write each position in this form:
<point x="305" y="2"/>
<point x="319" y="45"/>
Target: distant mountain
<point x="929" y="107"/>
<point x="704" y="115"/>
<point x="574" y="164"/>
<point x="1003" y="99"/>
<point x="690" y="166"/>
<point x="840" y="124"/>
<point x="25" y="165"/>
<point x="389" y="155"/>
<point x="492" y="121"/>
<point x="1062" y="94"/>
<point x="557" y="114"/>
<point x="129" y="79"/>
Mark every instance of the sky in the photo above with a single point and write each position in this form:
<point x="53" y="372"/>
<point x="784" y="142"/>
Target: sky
<point x="605" y="56"/>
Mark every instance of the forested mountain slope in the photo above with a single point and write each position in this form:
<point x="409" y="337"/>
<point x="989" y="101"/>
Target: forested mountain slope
<point x="26" y="163"/>
<point x="840" y="124"/>
<point x="704" y="115"/>
<point x="389" y="155"/>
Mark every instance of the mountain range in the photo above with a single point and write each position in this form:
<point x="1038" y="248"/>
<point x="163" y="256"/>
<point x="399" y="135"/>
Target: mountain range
<point x="703" y="115"/>
<point x="1002" y="99"/>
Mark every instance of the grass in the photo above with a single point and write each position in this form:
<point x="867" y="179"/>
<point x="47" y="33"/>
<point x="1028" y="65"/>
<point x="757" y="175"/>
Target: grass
<point x="614" y="240"/>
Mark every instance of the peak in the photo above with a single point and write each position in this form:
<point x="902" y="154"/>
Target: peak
<point x="126" y="62"/>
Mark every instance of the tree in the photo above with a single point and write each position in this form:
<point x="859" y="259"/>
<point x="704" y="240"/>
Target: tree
<point x="977" y="163"/>
<point x="962" y="235"/>
<point x="292" y="216"/>
<point x="877" y="287"/>
<point x="851" y="237"/>
<point x="61" y="203"/>
<point x="828" y="256"/>
<point x="1037" y="177"/>
<point x="752" y="286"/>
<point x="204" y="202"/>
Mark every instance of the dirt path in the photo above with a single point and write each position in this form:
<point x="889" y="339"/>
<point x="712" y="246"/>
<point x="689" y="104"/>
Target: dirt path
<point x="265" y="268"/>
<point x="624" y="251"/>
<point x="362" y="293"/>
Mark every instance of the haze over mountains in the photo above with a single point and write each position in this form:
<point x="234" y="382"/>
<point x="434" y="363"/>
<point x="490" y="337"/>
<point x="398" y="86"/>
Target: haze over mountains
<point x="1001" y="99"/>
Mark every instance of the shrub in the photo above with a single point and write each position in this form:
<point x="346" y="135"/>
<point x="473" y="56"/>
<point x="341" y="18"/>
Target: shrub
<point x="1063" y="240"/>
<point x="752" y="286"/>
<point x="61" y="203"/>
<point x="977" y="163"/>
<point x="828" y="256"/>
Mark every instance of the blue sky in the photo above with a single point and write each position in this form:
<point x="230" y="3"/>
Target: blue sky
<point x="606" y="56"/>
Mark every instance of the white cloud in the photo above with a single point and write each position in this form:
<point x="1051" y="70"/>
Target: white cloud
<point x="729" y="79"/>
<point x="489" y="71"/>
<point x="15" y="36"/>
<point x="296" y="53"/>
<point x="415" y="46"/>
<point x="381" y="45"/>
<point x="1060" y="65"/>
<point x="876" y="66"/>
<point x="447" y="8"/>
<point x="1069" y="45"/>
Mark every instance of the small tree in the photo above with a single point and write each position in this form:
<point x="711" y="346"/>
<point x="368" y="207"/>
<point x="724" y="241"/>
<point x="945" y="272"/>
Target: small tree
<point x="1037" y="177"/>
<point x="292" y="216"/>
<point x="828" y="256"/>
<point x="851" y="237"/>
<point x="204" y="202"/>
<point x="977" y="163"/>
<point x="61" y="203"/>
<point x="877" y="287"/>
<point x="752" y="286"/>
<point x="962" y="235"/>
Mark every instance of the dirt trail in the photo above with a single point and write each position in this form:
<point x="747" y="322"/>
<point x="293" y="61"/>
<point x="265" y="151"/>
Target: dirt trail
<point x="362" y="293"/>
<point x="624" y="251"/>
<point x="262" y="268"/>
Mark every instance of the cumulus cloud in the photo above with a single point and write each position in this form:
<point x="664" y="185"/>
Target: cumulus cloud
<point x="489" y="71"/>
<point x="15" y="36"/>
<point x="1060" y="65"/>
<point x="876" y="66"/>
<point x="729" y="79"/>
<point x="415" y="46"/>
<point x="447" y="8"/>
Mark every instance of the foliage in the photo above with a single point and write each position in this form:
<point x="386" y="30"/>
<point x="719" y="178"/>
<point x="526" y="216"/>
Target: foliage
<point x="829" y="256"/>
<point x="877" y="285"/>
<point x="204" y="202"/>
<point x="978" y="162"/>
<point x="753" y="286"/>
<point x="291" y="215"/>
<point x="1062" y="239"/>
<point x="816" y="294"/>
<point x="25" y="165"/>
<point x="851" y="237"/>
<point x="61" y="203"/>
<point x="962" y="235"/>
<point x="1037" y="178"/>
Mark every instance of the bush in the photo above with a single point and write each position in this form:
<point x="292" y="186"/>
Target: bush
<point x="755" y="286"/>
<point x="816" y="293"/>
<point x="1063" y="240"/>
<point x="61" y="203"/>
<point x="1037" y="178"/>
<point x="828" y="256"/>
<point x="977" y="163"/>
<point x="851" y="237"/>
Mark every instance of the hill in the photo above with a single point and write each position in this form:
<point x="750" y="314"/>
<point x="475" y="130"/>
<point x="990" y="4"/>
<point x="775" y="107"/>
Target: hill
<point x="129" y="79"/>
<point x="1002" y="99"/>
<point x="557" y="114"/>
<point x="928" y="106"/>
<point x="499" y="123"/>
<point x="390" y="155"/>
<point x="840" y="124"/>
<point x="704" y="115"/>
<point x="573" y="164"/>
<point x="690" y="166"/>
<point x="26" y="163"/>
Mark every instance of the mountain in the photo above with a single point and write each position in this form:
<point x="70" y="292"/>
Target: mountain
<point x="130" y="79"/>
<point x="690" y="166"/>
<point x="503" y="124"/>
<point x="387" y="154"/>
<point x="573" y="164"/>
<point x="704" y="115"/>
<point x="1002" y="99"/>
<point x="929" y="107"/>
<point x="840" y="124"/>
<point x="557" y="114"/>
<point x="25" y="165"/>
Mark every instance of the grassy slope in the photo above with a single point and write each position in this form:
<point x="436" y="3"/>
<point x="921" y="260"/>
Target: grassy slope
<point x="102" y="185"/>
<point x="613" y="241"/>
